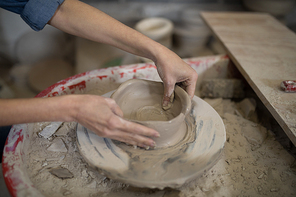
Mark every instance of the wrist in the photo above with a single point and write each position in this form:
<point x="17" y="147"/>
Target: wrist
<point x="155" y="51"/>
<point x="160" y="54"/>
<point x="68" y="108"/>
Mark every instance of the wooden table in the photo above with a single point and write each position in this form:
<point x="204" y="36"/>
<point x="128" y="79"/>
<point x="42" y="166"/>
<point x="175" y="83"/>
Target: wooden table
<point x="264" y="51"/>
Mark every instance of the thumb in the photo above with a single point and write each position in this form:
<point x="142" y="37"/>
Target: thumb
<point x="168" y="96"/>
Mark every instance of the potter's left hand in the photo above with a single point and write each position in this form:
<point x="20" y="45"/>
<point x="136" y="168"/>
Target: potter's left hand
<point x="104" y="117"/>
<point x="172" y="69"/>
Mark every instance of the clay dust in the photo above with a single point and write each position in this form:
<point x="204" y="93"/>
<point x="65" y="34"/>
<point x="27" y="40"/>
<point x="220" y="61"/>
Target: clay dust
<point x="253" y="164"/>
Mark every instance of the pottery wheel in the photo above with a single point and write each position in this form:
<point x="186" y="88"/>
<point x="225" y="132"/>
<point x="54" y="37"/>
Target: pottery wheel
<point x="173" y="166"/>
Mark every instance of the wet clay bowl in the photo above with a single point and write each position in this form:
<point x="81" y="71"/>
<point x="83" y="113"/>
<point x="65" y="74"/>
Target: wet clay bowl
<point x="141" y="102"/>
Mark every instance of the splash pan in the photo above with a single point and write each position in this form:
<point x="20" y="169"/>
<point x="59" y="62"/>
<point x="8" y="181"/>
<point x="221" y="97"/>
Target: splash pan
<point x="197" y="152"/>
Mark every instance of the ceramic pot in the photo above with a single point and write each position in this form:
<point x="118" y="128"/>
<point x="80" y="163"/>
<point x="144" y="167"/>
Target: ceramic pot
<point x="141" y="102"/>
<point x="158" y="29"/>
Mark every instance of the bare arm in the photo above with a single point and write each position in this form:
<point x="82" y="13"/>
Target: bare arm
<point x="17" y="111"/>
<point x="80" y="19"/>
<point x="101" y="115"/>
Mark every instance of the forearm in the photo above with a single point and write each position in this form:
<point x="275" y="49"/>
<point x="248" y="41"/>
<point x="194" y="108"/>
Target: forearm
<point x="80" y="19"/>
<point x="17" y="111"/>
<point x="100" y="115"/>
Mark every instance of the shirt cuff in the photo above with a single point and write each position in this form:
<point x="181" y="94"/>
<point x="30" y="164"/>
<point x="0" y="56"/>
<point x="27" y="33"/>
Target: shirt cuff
<point x="38" y="12"/>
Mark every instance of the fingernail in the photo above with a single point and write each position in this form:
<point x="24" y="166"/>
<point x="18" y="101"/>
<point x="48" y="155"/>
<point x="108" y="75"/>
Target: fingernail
<point x="156" y="135"/>
<point x="165" y="103"/>
<point x="153" y="144"/>
<point x="142" y="145"/>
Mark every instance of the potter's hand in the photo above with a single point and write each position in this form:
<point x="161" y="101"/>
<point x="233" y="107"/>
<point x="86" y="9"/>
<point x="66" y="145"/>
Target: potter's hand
<point x="99" y="114"/>
<point x="91" y="23"/>
<point x="104" y="117"/>
<point x="172" y="69"/>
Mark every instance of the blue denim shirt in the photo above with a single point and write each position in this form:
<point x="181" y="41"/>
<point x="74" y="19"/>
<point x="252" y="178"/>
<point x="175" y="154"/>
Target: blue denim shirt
<point x="36" y="13"/>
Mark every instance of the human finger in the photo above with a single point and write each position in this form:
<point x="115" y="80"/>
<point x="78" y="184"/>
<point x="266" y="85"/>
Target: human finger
<point x="168" y="96"/>
<point x="138" y="129"/>
<point x="133" y="139"/>
<point x="114" y="107"/>
<point x="189" y="87"/>
<point x="135" y="132"/>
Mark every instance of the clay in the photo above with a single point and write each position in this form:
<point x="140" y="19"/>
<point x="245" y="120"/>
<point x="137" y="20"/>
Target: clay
<point x="58" y="145"/>
<point x="62" y="173"/>
<point x="50" y="129"/>
<point x="224" y="88"/>
<point x="247" y="108"/>
<point x="242" y="170"/>
<point x="141" y="102"/>
<point x="170" y="103"/>
<point x="266" y="171"/>
<point x="171" y="166"/>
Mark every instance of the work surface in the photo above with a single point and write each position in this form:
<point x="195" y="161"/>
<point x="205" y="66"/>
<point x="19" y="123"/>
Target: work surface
<point x="253" y="162"/>
<point x="264" y="51"/>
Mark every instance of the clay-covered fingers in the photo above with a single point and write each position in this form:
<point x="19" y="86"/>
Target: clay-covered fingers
<point x="168" y="95"/>
<point x="130" y="132"/>
<point x="176" y="72"/>
<point x="188" y="84"/>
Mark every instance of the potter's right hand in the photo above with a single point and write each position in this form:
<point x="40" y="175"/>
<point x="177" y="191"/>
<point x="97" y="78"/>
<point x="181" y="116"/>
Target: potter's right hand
<point x="173" y="70"/>
<point x="104" y="117"/>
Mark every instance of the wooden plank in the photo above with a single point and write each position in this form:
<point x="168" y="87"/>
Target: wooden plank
<point x="264" y="51"/>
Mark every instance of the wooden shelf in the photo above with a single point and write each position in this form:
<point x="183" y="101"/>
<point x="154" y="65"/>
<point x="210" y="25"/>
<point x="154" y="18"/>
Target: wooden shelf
<point x="264" y="51"/>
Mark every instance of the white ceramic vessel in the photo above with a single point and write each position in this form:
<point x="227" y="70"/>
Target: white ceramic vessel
<point x="141" y="102"/>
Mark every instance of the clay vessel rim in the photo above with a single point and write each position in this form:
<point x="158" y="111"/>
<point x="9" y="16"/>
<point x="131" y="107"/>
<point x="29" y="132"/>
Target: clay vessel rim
<point x="178" y="91"/>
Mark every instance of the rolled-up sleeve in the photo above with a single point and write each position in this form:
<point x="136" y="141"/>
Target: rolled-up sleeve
<point x="36" y="13"/>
